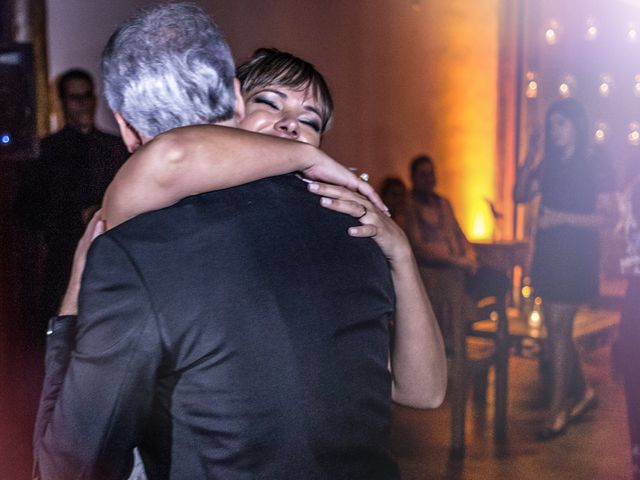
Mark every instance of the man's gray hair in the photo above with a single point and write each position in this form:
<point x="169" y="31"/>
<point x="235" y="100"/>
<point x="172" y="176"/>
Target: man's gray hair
<point x="169" y="67"/>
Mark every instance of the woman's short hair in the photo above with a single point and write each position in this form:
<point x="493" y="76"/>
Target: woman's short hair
<point x="169" y="67"/>
<point x="270" y="66"/>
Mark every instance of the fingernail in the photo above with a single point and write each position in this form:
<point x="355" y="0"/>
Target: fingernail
<point x="353" y="231"/>
<point x="325" y="201"/>
<point x="314" y="187"/>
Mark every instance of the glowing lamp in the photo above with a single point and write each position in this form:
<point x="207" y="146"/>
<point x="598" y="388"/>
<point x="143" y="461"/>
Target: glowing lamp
<point x="606" y="84"/>
<point x="532" y="86"/>
<point x="592" y="29"/>
<point x="602" y="132"/>
<point x="551" y="33"/>
<point x="634" y="133"/>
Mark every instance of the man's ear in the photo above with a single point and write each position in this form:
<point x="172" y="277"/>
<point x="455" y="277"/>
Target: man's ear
<point x="130" y="136"/>
<point x="239" y="105"/>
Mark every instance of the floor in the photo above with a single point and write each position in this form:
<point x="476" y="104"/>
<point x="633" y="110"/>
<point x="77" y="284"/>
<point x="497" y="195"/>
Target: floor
<point x="596" y="448"/>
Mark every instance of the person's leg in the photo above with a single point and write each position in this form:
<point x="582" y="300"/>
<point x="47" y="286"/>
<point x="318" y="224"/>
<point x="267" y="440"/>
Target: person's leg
<point x="559" y="322"/>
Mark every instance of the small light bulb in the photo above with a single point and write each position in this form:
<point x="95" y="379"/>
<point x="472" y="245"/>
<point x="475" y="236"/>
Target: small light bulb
<point x="550" y="36"/>
<point x="634" y="133"/>
<point x="632" y="33"/>
<point x="604" y="90"/>
<point x="535" y="319"/>
<point x="564" y="90"/>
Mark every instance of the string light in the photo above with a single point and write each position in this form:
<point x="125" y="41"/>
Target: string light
<point x="592" y="29"/>
<point x="551" y="34"/>
<point x="634" y="133"/>
<point x="602" y="132"/>
<point x="532" y="86"/>
<point x="636" y="85"/>
<point x="566" y="86"/>
<point x="606" y="83"/>
<point x="632" y="33"/>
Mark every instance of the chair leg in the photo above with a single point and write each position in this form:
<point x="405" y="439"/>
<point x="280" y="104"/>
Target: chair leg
<point x="480" y="384"/>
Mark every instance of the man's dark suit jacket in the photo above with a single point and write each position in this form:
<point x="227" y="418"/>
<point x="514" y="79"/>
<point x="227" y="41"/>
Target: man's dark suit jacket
<point x="240" y="334"/>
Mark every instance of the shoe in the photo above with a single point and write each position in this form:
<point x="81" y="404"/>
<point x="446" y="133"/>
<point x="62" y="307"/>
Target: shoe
<point x="556" y="429"/>
<point x="589" y="401"/>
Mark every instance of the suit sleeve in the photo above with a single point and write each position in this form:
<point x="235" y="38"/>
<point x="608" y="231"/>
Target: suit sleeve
<point x="94" y="408"/>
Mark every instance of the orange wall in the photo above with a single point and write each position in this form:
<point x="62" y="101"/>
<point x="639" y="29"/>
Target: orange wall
<point x="408" y="76"/>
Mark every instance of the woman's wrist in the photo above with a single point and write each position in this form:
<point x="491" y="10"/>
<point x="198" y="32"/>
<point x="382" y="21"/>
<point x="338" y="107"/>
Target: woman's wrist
<point x="401" y="255"/>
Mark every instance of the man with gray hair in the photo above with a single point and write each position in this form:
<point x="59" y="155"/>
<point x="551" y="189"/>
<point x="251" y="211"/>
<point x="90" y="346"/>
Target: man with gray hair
<point x="238" y="334"/>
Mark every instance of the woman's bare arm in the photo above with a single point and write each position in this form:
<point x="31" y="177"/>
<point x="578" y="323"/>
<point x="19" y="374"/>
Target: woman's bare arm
<point x="418" y="362"/>
<point x="527" y="182"/>
<point x="202" y="158"/>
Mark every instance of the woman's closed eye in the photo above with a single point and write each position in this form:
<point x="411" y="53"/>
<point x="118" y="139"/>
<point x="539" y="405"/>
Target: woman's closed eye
<point x="314" y="124"/>
<point x="265" y="101"/>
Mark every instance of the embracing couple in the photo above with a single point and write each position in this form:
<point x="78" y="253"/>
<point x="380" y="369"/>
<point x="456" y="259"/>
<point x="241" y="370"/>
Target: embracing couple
<point x="236" y="320"/>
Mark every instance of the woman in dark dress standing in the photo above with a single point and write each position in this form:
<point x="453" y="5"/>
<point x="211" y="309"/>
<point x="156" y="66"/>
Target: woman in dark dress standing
<point x="566" y="255"/>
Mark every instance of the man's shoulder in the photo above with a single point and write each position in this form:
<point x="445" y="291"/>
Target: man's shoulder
<point x="210" y="208"/>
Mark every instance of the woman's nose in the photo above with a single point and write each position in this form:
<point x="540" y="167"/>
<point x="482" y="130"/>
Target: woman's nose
<point x="289" y="126"/>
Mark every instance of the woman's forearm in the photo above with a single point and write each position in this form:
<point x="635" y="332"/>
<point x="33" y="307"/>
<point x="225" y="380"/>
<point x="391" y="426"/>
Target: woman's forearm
<point x="197" y="159"/>
<point x="418" y="360"/>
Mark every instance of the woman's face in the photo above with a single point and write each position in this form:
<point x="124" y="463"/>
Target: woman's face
<point x="562" y="131"/>
<point x="283" y="112"/>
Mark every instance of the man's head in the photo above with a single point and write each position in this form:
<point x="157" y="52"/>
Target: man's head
<point x="423" y="176"/>
<point x="75" y="90"/>
<point x="169" y="67"/>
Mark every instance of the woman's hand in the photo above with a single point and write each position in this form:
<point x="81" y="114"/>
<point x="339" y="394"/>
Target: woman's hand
<point x="326" y="169"/>
<point x="95" y="227"/>
<point x="375" y="223"/>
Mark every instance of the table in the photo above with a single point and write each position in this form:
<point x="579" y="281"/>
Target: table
<point x="590" y="327"/>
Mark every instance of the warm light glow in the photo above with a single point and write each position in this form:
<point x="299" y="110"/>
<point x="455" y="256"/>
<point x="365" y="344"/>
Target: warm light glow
<point x="634" y="133"/>
<point x="601" y="133"/>
<point x="592" y="29"/>
<point x="535" y="319"/>
<point x="606" y="82"/>
<point x="604" y="89"/>
<point x="564" y="90"/>
<point x="636" y="86"/>
<point x="567" y="85"/>
<point x="527" y="291"/>
<point x="468" y="73"/>
<point x="551" y="34"/>
<point x="532" y="89"/>
<point x="481" y="225"/>
<point x="632" y="33"/>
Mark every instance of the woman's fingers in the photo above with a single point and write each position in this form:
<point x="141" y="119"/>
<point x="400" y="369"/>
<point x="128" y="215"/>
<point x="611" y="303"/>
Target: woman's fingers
<point x="363" y="231"/>
<point x="355" y="209"/>
<point x="340" y="193"/>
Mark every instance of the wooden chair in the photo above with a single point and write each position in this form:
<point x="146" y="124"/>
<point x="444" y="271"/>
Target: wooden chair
<point x="474" y="353"/>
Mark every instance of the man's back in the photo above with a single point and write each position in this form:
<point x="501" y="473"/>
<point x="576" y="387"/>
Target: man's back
<point x="251" y="336"/>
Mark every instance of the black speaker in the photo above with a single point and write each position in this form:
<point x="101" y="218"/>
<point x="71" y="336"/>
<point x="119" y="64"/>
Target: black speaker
<point x="18" y="136"/>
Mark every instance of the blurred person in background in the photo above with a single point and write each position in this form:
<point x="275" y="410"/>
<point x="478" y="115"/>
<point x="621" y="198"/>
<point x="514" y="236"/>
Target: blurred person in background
<point x="565" y="267"/>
